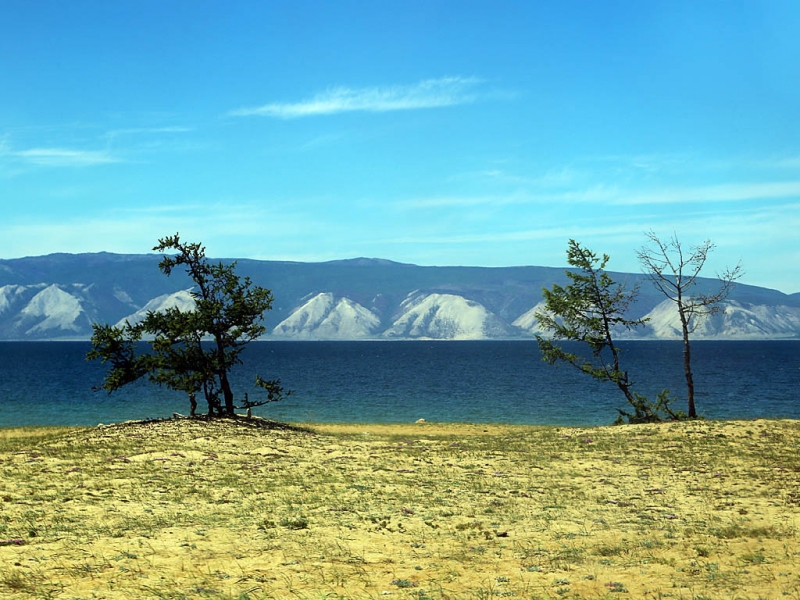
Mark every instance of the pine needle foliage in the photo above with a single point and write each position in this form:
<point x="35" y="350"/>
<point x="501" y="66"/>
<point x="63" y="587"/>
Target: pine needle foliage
<point x="191" y="350"/>
<point x="590" y="310"/>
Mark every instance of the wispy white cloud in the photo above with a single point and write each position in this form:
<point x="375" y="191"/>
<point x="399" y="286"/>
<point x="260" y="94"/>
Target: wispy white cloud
<point x="783" y="162"/>
<point x="321" y="141"/>
<point x="154" y="134"/>
<point x="688" y="163"/>
<point x="763" y="237"/>
<point x="430" y="93"/>
<point x="450" y="201"/>
<point x="616" y="230"/>
<point x="559" y="177"/>
<point x="148" y="130"/>
<point x="644" y="162"/>
<point x="594" y="194"/>
<point x="729" y="192"/>
<point x="64" y="157"/>
<point x="616" y="196"/>
<point x="228" y="229"/>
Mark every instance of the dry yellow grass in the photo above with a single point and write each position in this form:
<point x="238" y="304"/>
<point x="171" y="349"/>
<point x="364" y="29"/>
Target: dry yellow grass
<point x="189" y="509"/>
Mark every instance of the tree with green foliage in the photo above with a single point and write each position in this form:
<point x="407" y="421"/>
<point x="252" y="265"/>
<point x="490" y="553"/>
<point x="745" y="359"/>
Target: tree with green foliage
<point x="674" y="272"/>
<point x="191" y="350"/>
<point x="590" y="310"/>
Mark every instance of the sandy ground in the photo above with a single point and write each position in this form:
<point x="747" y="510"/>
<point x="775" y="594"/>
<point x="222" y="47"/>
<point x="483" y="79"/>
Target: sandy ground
<point x="192" y="509"/>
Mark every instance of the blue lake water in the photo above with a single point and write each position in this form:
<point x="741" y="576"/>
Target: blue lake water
<point x="50" y="383"/>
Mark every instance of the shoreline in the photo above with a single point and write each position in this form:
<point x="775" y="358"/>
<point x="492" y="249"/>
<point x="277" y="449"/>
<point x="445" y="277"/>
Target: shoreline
<point x="521" y="338"/>
<point x="433" y="427"/>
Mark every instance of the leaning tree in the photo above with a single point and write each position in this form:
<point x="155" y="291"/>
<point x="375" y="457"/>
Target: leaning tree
<point x="591" y="309"/>
<point x="674" y="271"/>
<point x="191" y="350"/>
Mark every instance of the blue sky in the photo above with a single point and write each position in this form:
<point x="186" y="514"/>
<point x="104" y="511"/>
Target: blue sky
<point x="433" y="132"/>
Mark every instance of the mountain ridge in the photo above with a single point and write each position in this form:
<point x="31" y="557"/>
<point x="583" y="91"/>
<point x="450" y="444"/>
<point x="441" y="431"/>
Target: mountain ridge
<point x="359" y="298"/>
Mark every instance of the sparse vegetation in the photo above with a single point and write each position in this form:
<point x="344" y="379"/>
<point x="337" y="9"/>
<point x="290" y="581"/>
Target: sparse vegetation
<point x="227" y="509"/>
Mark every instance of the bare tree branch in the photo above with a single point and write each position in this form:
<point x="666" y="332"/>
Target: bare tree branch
<point x="674" y="273"/>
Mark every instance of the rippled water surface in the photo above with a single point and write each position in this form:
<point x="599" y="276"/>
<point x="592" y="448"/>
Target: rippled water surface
<point x="50" y="383"/>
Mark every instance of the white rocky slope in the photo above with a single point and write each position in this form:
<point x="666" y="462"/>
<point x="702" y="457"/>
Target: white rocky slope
<point x="52" y="310"/>
<point x="738" y="321"/>
<point x="528" y="322"/>
<point x="67" y="311"/>
<point x="12" y="295"/>
<point x="324" y="317"/>
<point x="182" y="300"/>
<point x="444" y="316"/>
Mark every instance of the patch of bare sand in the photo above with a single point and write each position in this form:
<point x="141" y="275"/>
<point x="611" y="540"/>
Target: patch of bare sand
<point x="195" y="509"/>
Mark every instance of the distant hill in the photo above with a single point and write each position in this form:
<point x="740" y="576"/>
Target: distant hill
<point x="59" y="296"/>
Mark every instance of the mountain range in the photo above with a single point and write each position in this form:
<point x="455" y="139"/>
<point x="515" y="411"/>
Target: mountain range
<point x="59" y="296"/>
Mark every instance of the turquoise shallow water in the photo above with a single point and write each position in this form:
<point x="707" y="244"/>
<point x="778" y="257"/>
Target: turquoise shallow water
<point x="50" y="383"/>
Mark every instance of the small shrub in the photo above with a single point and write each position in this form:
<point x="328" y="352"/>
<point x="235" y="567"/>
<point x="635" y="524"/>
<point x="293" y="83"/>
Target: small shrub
<point x="615" y="587"/>
<point x="298" y="523"/>
<point x="647" y="411"/>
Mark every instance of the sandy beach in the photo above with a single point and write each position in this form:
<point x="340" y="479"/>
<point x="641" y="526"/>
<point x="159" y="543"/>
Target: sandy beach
<point x="227" y="509"/>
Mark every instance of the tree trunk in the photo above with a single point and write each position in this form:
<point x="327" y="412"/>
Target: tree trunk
<point x="222" y="373"/>
<point x="687" y="363"/>
<point x="226" y="392"/>
<point x="210" y="399"/>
